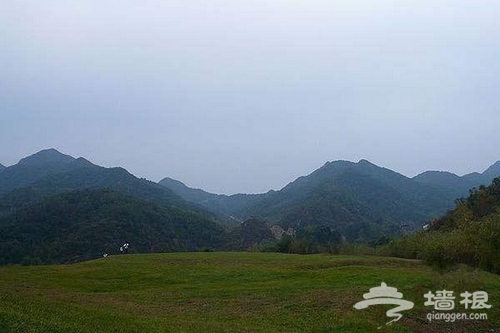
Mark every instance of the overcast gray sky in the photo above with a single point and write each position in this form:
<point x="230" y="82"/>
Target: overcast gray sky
<point x="245" y="96"/>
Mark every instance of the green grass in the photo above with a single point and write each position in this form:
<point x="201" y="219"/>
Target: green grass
<point x="230" y="292"/>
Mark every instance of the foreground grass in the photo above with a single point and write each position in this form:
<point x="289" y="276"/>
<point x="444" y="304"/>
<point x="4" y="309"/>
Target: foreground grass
<point x="230" y="292"/>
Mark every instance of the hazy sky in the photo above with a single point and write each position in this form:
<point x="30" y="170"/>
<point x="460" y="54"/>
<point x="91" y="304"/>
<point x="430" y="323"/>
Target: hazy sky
<point x="244" y="96"/>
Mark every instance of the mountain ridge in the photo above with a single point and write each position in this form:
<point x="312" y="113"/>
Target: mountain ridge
<point x="493" y="170"/>
<point x="218" y="203"/>
<point x="361" y="200"/>
<point x="343" y="194"/>
<point x="459" y="184"/>
<point x="51" y="172"/>
<point x="46" y="156"/>
<point x="57" y="208"/>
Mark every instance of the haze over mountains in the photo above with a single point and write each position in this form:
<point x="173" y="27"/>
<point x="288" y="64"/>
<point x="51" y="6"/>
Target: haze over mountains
<point x="57" y="208"/>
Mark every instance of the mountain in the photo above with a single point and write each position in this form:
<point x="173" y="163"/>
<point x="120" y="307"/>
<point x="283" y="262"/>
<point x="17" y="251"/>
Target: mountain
<point x="361" y="200"/>
<point x="51" y="172"/>
<point x="217" y="203"/>
<point x="33" y="168"/>
<point x="481" y="202"/>
<point x="489" y="174"/>
<point x="447" y="180"/>
<point x="459" y="186"/>
<point x="2" y="167"/>
<point x="81" y="225"/>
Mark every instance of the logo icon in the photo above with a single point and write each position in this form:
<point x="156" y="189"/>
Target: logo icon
<point x="386" y="295"/>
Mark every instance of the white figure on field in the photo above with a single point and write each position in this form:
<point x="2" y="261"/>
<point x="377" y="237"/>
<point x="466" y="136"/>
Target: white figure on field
<point x="124" y="248"/>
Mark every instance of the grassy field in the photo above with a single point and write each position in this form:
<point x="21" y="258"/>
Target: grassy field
<point x="230" y="292"/>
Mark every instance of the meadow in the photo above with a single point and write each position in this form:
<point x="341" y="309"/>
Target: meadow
<point x="232" y="292"/>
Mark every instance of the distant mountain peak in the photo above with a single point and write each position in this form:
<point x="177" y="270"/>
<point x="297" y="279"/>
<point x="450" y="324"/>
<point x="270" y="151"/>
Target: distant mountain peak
<point x="339" y="162"/>
<point x="167" y="180"/>
<point x="84" y="162"/>
<point x="50" y="150"/>
<point x="346" y="164"/>
<point x="444" y="179"/>
<point x="363" y="161"/>
<point x="437" y="173"/>
<point x="46" y="156"/>
<point x="493" y="170"/>
<point x="2" y="166"/>
<point x="336" y="165"/>
<point x="47" y="152"/>
<point x="472" y="174"/>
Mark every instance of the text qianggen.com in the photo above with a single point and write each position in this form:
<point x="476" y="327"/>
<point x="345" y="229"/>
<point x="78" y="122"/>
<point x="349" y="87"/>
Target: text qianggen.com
<point x="452" y="317"/>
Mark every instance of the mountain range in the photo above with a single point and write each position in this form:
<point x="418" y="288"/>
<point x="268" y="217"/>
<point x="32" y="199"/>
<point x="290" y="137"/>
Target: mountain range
<point x="362" y="200"/>
<point x="57" y="208"/>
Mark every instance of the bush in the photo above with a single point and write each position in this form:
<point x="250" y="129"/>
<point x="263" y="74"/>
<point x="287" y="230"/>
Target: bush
<point x="476" y="244"/>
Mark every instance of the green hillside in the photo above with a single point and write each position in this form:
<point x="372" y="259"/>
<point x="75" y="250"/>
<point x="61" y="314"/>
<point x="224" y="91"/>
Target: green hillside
<point x="468" y="234"/>
<point x="82" y="225"/>
<point x="55" y="209"/>
<point x="229" y="292"/>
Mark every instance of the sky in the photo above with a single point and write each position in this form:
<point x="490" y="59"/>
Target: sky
<point x="245" y="96"/>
